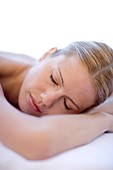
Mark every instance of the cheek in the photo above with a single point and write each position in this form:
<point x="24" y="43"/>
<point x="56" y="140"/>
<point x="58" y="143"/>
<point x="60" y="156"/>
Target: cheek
<point x="57" y="109"/>
<point x="22" y="97"/>
<point x="31" y="81"/>
<point x="37" y="79"/>
<point x="31" y="84"/>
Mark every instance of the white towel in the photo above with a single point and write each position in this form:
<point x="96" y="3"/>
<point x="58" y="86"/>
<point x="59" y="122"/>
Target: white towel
<point x="97" y="155"/>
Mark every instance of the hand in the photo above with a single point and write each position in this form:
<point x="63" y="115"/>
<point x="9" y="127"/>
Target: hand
<point x="111" y="125"/>
<point x="109" y="117"/>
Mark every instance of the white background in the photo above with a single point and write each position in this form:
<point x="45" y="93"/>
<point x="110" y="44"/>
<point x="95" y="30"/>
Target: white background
<point x="33" y="26"/>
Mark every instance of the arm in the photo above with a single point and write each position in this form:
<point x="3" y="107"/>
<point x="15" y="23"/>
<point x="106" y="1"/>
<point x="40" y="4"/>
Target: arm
<point x="40" y="138"/>
<point x="107" y="106"/>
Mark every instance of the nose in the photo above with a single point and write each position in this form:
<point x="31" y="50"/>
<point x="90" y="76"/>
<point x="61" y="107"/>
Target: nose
<point x="50" y="97"/>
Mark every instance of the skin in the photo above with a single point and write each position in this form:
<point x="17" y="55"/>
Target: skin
<point x="55" y="88"/>
<point x="49" y="135"/>
<point x="53" y="95"/>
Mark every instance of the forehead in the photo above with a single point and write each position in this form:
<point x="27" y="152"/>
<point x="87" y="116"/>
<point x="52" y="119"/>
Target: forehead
<point x="77" y="81"/>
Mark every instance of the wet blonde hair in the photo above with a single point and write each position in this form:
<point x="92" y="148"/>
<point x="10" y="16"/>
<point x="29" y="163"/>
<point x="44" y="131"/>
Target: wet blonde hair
<point x="97" y="58"/>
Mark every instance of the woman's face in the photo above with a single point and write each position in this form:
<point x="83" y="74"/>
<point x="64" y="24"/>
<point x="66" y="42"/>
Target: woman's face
<point x="56" y="85"/>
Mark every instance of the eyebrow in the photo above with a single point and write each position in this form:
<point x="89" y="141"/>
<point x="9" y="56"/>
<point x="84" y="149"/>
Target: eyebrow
<point x="61" y="76"/>
<point x="63" y="85"/>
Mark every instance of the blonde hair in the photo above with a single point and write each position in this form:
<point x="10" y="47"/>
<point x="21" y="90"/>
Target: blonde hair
<point x="97" y="58"/>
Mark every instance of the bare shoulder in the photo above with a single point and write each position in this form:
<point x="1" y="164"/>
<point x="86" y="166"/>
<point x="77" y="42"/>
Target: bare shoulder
<point x="14" y="57"/>
<point x="10" y="62"/>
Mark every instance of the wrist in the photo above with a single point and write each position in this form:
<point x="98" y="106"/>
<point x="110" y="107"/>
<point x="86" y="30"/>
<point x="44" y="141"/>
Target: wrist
<point x="108" y="121"/>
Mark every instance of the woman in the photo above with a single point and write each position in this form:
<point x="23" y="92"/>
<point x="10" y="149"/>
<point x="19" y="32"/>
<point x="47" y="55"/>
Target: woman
<point x="66" y="82"/>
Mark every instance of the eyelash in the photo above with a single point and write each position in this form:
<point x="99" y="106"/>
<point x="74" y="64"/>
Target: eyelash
<point x="53" y="81"/>
<point x="65" y="105"/>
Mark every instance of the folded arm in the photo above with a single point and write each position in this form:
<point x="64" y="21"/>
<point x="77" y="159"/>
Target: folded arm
<point x="107" y="106"/>
<point x="40" y="138"/>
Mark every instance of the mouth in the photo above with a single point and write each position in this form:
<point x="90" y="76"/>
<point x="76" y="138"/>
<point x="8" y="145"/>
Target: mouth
<point x="33" y="104"/>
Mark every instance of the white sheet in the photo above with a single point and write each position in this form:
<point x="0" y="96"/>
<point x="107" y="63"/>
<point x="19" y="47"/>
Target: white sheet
<point x="97" y="155"/>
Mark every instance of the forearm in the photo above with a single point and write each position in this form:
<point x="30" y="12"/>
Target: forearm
<point x="107" y="106"/>
<point x="15" y="127"/>
<point x="40" y="138"/>
<point x="75" y="130"/>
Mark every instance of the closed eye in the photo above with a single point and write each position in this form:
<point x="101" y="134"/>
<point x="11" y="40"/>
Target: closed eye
<point x="65" y="105"/>
<point x="53" y="80"/>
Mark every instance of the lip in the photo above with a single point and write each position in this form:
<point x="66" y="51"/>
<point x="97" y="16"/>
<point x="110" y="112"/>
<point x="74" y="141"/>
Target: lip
<point x="33" y="104"/>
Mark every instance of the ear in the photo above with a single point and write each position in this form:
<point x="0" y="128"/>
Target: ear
<point x="48" y="53"/>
